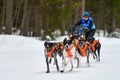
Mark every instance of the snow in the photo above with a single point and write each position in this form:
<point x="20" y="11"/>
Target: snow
<point x="22" y="58"/>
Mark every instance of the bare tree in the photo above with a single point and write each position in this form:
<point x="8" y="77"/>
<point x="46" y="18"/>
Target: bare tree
<point x="17" y="14"/>
<point x="3" y="14"/>
<point x="23" y="27"/>
<point x="9" y="12"/>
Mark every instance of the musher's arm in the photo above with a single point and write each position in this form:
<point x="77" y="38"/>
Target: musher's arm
<point x="90" y="25"/>
<point x="78" y="23"/>
<point x="74" y="26"/>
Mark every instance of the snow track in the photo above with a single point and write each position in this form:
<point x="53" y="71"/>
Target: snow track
<point x="22" y="58"/>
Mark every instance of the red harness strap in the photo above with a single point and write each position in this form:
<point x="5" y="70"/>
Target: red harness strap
<point x="83" y="50"/>
<point x="93" y="44"/>
<point x="69" y="51"/>
<point x="51" y="51"/>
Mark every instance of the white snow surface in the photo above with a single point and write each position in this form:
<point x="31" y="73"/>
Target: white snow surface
<point x="22" y="58"/>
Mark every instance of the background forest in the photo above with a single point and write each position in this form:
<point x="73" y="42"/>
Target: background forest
<point x="41" y="18"/>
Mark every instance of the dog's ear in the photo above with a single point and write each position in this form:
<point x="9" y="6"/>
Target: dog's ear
<point x="64" y="41"/>
<point x="45" y="44"/>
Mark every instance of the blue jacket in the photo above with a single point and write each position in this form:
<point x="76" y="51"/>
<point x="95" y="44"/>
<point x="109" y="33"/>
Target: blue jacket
<point x="86" y="24"/>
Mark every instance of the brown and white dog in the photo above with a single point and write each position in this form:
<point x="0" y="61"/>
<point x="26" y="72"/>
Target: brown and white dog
<point x="69" y="53"/>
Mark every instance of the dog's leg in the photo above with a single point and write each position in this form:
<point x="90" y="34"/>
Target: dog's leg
<point x="71" y="65"/>
<point x="99" y="47"/>
<point x="98" y="54"/>
<point x="56" y="62"/>
<point x="78" y="57"/>
<point x="77" y="62"/>
<point x="88" y="62"/>
<point x="64" y="56"/>
<point x="54" y="59"/>
<point x="94" y="55"/>
<point x="63" y="60"/>
<point x="68" y="61"/>
<point x="63" y="65"/>
<point x="50" y="60"/>
<point x="48" y="70"/>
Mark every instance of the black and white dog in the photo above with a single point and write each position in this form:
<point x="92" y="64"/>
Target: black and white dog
<point x="69" y="53"/>
<point x="48" y="47"/>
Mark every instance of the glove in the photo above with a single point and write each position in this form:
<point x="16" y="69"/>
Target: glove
<point x="86" y="29"/>
<point x="71" y="30"/>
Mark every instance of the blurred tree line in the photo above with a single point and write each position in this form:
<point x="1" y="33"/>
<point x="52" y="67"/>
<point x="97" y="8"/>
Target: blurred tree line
<point x="106" y="14"/>
<point x="43" y="17"/>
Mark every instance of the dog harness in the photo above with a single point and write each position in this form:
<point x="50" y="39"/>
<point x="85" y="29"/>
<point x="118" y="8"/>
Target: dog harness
<point x="83" y="50"/>
<point x="95" y="42"/>
<point x="69" y="51"/>
<point x="51" y="51"/>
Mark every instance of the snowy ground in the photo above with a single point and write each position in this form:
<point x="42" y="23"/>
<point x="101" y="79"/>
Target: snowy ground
<point x="22" y="58"/>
